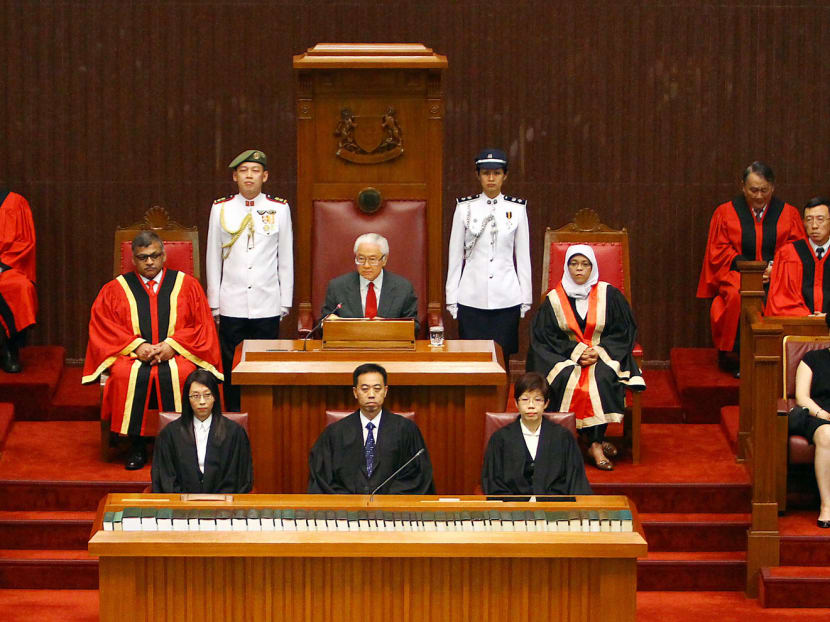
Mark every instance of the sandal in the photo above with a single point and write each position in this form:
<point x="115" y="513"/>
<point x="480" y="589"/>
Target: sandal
<point x="609" y="449"/>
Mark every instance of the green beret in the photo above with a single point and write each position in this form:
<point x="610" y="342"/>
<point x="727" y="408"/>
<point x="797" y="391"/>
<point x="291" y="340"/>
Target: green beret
<point x="252" y="155"/>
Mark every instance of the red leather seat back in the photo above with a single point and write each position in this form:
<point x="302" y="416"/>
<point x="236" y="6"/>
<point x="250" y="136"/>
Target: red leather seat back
<point x="336" y="415"/>
<point x="495" y="421"/>
<point x="179" y="256"/>
<point x="609" y="257"/>
<point x="166" y="417"/>
<point x="794" y="351"/>
<point x="337" y="224"/>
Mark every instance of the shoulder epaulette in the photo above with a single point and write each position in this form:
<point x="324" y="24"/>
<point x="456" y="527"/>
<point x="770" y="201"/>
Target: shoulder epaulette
<point x="271" y="197"/>
<point x="223" y="199"/>
<point x="469" y="198"/>
<point x="515" y="200"/>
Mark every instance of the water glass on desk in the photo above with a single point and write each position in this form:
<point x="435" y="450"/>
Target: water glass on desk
<point x="436" y="336"/>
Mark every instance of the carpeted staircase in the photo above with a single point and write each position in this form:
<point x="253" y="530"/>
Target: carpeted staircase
<point x="693" y="498"/>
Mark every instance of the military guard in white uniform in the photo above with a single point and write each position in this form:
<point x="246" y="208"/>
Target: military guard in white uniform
<point x="486" y="291"/>
<point x="250" y="262"/>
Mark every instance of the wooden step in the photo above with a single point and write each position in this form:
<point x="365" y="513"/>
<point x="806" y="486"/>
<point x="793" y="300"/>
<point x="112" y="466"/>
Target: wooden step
<point x="795" y="586"/>
<point x="45" y="530"/>
<point x="696" y="532"/>
<point x="714" y="497"/>
<point x="692" y="571"/>
<point x="48" y="569"/>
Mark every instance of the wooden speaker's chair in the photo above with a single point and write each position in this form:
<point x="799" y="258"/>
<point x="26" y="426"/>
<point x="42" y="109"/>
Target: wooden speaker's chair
<point x="181" y="243"/>
<point x="792" y="450"/>
<point x="336" y="415"/>
<point x="336" y="224"/>
<point x="611" y="249"/>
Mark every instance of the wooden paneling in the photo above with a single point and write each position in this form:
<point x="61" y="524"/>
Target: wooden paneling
<point x="644" y="111"/>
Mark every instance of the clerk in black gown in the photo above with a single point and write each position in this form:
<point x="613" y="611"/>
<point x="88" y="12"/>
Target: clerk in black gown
<point x="202" y="451"/>
<point x="533" y="456"/>
<point x="359" y="453"/>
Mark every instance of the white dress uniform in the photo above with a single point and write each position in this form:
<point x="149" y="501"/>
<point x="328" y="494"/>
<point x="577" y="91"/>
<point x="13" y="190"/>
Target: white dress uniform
<point x="254" y="278"/>
<point x="486" y="236"/>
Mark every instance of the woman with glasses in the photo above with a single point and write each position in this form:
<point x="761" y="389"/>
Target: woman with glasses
<point x="202" y="451"/>
<point x="533" y="456"/>
<point x="582" y="338"/>
<point x="488" y="276"/>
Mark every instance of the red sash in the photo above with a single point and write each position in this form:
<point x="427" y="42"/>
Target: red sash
<point x="581" y="401"/>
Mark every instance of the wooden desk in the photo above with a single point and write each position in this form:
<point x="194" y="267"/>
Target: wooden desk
<point x="286" y="391"/>
<point x="255" y="576"/>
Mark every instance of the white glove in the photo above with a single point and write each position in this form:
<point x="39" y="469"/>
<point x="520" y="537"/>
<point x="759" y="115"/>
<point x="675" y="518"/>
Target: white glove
<point x="284" y="311"/>
<point x="525" y="309"/>
<point x="453" y="309"/>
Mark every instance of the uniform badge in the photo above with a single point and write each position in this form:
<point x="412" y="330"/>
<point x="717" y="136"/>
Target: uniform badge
<point x="509" y="215"/>
<point x="268" y="218"/>
<point x="256" y="155"/>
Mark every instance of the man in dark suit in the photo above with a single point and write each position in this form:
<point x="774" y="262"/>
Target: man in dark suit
<point x="358" y="454"/>
<point x="371" y="291"/>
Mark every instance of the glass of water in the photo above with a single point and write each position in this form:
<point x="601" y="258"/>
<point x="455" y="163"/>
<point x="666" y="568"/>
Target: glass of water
<point x="436" y="336"/>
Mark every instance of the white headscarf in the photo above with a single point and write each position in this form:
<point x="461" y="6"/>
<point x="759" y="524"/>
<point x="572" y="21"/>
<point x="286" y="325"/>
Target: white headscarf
<point x="580" y="292"/>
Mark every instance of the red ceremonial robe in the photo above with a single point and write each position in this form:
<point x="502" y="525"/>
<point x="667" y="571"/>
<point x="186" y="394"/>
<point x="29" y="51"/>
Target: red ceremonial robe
<point x="18" y="298"/>
<point x="799" y="284"/>
<point x="125" y="315"/>
<point x="736" y="235"/>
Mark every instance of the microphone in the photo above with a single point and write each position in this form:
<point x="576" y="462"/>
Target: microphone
<point x="401" y="468"/>
<point x="320" y="323"/>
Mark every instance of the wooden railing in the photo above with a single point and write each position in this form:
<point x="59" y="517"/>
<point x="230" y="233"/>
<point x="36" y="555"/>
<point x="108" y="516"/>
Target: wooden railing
<point x="761" y="437"/>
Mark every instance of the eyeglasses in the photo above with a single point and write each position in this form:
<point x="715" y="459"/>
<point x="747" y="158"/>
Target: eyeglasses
<point x="145" y="256"/>
<point x="369" y="261"/>
<point x="527" y="400"/>
<point x="198" y="397"/>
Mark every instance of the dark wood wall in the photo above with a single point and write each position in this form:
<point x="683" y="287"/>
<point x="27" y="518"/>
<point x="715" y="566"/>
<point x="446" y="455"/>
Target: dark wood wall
<point x="644" y="111"/>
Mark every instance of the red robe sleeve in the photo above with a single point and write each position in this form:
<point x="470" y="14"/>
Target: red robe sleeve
<point x="720" y="252"/>
<point x="111" y="332"/>
<point x="195" y="335"/>
<point x="796" y="229"/>
<point x="17" y="235"/>
<point x="785" y="297"/>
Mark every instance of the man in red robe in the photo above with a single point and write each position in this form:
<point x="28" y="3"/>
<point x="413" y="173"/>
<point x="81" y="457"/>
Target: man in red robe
<point x="150" y="328"/>
<point x="750" y="227"/>
<point x="18" y="298"/>
<point x="799" y="284"/>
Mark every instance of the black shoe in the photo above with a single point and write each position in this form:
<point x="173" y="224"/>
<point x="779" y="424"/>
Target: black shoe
<point x="136" y="460"/>
<point x="824" y="524"/>
<point x="9" y="361"/>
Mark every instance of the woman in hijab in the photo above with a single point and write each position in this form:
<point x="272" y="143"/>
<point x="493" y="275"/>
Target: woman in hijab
<point x="581" y="341"/>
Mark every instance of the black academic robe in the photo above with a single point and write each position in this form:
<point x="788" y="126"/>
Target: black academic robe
<point x="337" y="463"/>
<point x="228" y="466"/>
<point x="595" y="394"/>
<point x="557" y="470"/>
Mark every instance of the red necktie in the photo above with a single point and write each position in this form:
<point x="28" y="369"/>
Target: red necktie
<point x="371" y="302"/>
<point x="151" y="286"/>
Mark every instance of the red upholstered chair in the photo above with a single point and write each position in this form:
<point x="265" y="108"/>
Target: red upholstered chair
<point x="793" y="450"/>
<point x="180" y="243"/>
<point x="611" y="249"/>
<point x="495" y="421"/>
<point x="336" y="224"/>
<point x="336" y="415"/>
<point x="240" y="418"/>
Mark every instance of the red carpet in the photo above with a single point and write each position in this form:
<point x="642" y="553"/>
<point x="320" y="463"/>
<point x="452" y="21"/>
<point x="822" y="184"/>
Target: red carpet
<point x="49" y="605"/>
<point x="74" y="401"/>
<point x="730" y="419"/>
<point x="661" y="402"/>
<point x="6" y="422"/>
<point x="702" y="386"/>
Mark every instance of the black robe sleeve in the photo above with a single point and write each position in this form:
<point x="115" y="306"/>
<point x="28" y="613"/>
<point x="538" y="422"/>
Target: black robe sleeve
<point x="164" y="473"/>
<point x="321" y="467"/>
<point x="228" y="465"/>
<point x="620" y="328"/>
<point x="549" y="345"/>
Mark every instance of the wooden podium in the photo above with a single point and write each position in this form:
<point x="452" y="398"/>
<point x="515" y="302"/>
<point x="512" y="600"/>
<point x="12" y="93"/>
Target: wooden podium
<point x="373" y="575"/>
<point x="286" y="392"/>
